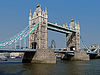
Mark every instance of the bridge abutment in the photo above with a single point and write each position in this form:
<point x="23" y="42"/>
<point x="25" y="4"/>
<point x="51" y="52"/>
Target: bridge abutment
<point x="81" y="56"/>
<point x="78" y="56"/>
<point x="40" y="56"/>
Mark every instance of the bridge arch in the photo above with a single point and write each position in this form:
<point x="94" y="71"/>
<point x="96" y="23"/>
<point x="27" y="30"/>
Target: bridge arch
<point x="33" y="45"/>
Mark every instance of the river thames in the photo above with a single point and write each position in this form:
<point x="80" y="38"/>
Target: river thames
<point x="15" y="67"/>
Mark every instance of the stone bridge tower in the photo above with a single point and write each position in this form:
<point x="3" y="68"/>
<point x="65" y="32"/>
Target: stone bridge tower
<point x="73" y="39"/>
<point x="38" y="38"/>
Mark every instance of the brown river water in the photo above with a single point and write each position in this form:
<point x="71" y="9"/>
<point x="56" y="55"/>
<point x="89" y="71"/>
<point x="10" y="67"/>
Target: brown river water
<point x="15" y="67"/>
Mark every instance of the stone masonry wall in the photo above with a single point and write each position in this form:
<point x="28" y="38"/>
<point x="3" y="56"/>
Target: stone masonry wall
<point x="44" y="56"/>
<point x="81" y="56"/>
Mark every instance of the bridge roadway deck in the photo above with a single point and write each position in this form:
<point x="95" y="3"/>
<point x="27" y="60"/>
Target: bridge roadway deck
<point x="31" y="50"/>
<point x="34" y="50"/>
<point x="17" y="50"/>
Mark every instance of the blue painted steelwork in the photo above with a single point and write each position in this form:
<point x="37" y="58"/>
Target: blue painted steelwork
<point x="20" y="36"/>
<point x="92" y="52"/>
<point x="16" y="35"/>
<point x="34" y="50"/>
<point x="88" y="50"/>
<point x="60" y="28"/>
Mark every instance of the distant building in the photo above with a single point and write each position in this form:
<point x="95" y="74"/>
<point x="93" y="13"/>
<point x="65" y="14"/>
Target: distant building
<point x="15" y="54"/>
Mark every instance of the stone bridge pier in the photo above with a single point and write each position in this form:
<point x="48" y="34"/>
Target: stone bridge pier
<point x="40" y="56"/>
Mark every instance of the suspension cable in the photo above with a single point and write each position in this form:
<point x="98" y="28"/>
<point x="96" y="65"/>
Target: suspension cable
<point x="24" y="34"/>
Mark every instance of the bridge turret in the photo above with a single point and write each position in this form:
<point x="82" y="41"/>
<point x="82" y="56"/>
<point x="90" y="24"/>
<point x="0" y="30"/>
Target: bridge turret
<point x="72" y="24"/>
<point x="38" y="5"/>
<point x="38" y="10"/>
<point x="66" y="25"/>
<point x="30" y="23"/>
<point x="43" y="13"/>
<point x="78" y="37"/>
<point x="78" y="26"/>
<point x="37" y="13"/>
<point x="38" y="38"/>
<point x="46" y="13"/>
<point x="75" y="37"/>
<point x="30" y="18"/>
<point x="34" y="15"/>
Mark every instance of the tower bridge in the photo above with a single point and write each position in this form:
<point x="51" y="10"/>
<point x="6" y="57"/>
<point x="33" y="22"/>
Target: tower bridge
<point x="37" y="30"/>
<point x="38" y="38"/>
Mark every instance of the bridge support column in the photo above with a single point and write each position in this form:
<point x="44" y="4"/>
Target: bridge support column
<point x="73" y="38"/>
<point x="40" y="56"/>
<point x="39" y="35"/>
<point x="71" y="41"/>
<point x="78" y="56"/>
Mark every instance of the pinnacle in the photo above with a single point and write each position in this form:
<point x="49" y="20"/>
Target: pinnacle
<point x="72" y="20"/>
<point x="30" y="12"/>
<point x="38" y="5"/>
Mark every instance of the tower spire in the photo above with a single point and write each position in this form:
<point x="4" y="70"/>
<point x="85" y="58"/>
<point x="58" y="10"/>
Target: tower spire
<point x="30" y="13"/>
<point x="46" y="11"/>
<point x="66" y="25"/>
<point x="72" y="20"/>
<point x="38" y="5"/>
<point x="30" y="18"/>
<point x="78" y="25"/>
<point x="37" y="1"/>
